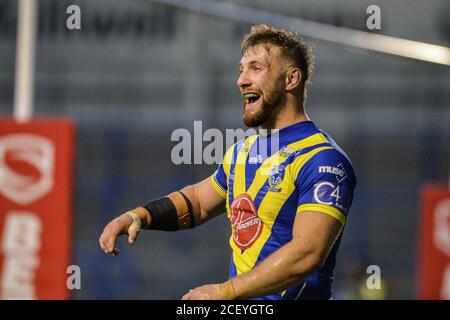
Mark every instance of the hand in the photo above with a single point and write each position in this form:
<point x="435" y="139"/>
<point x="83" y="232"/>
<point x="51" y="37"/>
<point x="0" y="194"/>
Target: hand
<point x="222" y="291"/>
<point x="128" y="223"/>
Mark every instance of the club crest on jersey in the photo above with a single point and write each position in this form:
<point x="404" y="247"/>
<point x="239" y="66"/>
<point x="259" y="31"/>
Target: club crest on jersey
<point x="286" y="151"/>
<point x="246" y="224"/>
<point x="244" y="146"/>
<point x="276" y="176"/>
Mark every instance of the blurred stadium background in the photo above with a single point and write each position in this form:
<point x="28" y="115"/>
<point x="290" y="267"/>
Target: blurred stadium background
<point x="139" y="69"/>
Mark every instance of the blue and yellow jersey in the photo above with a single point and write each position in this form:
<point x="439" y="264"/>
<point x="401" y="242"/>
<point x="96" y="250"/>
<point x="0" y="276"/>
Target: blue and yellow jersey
<point x="267" y="180"/>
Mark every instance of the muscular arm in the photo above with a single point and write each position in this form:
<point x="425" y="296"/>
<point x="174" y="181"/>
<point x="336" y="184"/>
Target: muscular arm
<point x="206" y="204"/>
<point x="314" y="234"/>
<point x="313" y="237"/>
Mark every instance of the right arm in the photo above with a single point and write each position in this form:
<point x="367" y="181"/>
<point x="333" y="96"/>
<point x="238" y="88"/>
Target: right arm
<point x="206" y="204"/>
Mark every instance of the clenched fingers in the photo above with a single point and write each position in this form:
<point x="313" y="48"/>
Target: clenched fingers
<point x="108" y="239"/>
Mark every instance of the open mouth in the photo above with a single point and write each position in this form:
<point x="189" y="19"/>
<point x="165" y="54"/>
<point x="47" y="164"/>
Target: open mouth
<point x="251" y="97"/>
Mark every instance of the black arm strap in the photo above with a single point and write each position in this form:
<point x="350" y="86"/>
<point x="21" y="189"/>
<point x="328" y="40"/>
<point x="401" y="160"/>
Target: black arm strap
<point x="191" y="211"/>
<point x="164" y="214"/>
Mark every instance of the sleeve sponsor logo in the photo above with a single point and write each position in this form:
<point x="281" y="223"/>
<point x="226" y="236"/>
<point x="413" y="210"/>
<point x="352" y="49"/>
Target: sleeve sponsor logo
<point x="338" y="171"/>
<point x="327" y="193"/>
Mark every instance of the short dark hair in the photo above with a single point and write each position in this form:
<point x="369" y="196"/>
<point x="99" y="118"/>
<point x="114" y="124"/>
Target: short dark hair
<point x="291" y="45"/>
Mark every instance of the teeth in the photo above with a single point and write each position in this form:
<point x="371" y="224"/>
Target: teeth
<point x="251" y="95"/>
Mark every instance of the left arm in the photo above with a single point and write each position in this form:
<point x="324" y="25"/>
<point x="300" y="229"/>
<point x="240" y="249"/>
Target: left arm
<point x="314" y="234"/>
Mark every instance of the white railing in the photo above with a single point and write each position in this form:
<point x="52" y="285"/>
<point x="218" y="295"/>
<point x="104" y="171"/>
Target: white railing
<point x="344" y="36"/>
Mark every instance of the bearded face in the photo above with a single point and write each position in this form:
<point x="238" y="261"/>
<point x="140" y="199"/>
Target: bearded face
<point x="263" y="107"/>
<point x="261" y="82"/>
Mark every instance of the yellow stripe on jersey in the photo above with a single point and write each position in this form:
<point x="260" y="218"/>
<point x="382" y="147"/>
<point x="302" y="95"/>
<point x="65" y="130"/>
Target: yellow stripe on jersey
<point x="239" y="166"/>
<point x="322" y="208"/>
<point x="242" y="267"/>
<point x="218" y="188"/>
<point x="273" y="201"/>
<point x="228" y="159"/>
<point x="226" y="164"/>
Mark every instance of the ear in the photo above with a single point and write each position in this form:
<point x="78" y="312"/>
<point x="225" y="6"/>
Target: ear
<point x="293" y="78"/>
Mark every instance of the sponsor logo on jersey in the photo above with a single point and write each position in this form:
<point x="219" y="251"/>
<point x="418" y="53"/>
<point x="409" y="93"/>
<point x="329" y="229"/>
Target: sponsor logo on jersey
<point x="255" y="159"/>
<point x="246" y="224"/>
<point x="338" y="171"/>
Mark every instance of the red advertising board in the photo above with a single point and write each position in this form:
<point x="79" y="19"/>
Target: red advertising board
<point x="434" y="265"/>
<point x="36" y="167"/>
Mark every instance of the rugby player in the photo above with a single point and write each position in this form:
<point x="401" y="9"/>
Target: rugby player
<point x="287" y="206"/>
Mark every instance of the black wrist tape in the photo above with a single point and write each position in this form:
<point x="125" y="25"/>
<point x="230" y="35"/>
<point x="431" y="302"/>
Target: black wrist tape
<point x="164" y="214"/>
<point x="191" y="212"/>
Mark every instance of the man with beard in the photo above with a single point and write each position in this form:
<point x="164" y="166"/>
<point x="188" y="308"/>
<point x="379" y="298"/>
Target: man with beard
<point x="287" y="205"/>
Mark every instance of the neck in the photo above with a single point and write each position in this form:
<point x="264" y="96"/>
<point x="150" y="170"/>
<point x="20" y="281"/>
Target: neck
<point x="292" y="112"/>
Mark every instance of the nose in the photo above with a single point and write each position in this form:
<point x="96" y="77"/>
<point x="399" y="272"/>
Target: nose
<point x="243" y="80"/>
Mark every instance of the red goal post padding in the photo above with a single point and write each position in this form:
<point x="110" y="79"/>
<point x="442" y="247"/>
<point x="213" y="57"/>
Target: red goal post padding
<point x="36" y="168"/>
<point x="434" y="252"/>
